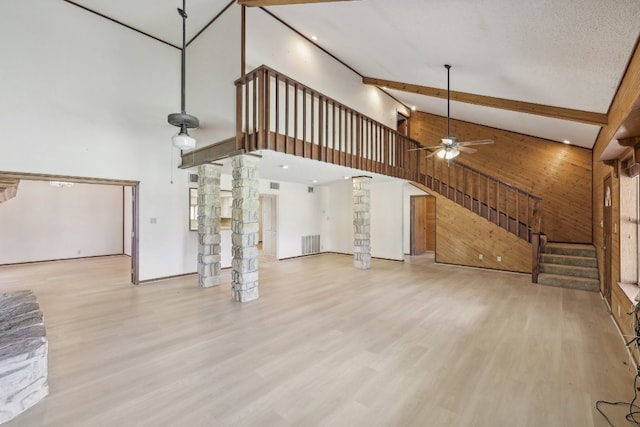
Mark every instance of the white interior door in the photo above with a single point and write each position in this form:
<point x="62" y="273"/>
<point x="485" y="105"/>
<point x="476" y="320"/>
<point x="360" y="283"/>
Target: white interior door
<point x="270" y="225"/>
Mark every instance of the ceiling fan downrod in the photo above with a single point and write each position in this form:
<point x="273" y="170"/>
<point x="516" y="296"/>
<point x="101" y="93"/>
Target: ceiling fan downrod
<point x="448" y="67"/>
<point x="183" y="120"/>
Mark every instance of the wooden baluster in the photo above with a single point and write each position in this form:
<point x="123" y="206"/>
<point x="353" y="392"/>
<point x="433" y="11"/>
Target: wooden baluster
<point x="295" y="120"/>
<point x="305" y="150"/>
<point x="506" y="206"/>
<point x="240" y="140"/>
<point x="320" y="130"/>
<point x="312" y="126"/>
<point x="255" y="113"/>
<point x="277" y="108"/>
<point x="486" y="178"/>
<point x="518" y="213"/>
<point x="286" y="116"/>
<point x="341" y="146"/>
<point x="333" y="138"/>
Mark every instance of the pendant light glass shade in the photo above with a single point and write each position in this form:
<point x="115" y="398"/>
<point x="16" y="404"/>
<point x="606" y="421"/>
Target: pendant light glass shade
<point x="448" y="153"/>
<point x="183" y="141"/>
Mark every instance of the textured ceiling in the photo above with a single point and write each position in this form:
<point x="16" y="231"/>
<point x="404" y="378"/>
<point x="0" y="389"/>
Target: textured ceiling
<point x="561" y="53"/>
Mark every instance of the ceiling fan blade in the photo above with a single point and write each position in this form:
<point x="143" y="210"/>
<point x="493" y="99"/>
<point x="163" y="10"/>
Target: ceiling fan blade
<point x="478" y="142"/>
<point x="426" y="148"/>
<point x="467" y="150"/>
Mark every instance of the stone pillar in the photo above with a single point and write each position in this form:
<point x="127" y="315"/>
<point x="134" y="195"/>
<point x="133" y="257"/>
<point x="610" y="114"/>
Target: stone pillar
<point x="244" y="228"/>
<point x="361" y="223"/>
<point x="209" y="225"/>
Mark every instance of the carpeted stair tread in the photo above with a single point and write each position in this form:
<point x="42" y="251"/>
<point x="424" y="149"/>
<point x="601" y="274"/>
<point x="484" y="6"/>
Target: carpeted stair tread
<point x="580" y="261"/>
<point x="582" y="283"/>
<point x="573" y="249"/>
<point x="569" y="270"/>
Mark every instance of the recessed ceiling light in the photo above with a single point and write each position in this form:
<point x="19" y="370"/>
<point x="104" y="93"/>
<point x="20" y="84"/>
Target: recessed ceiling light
<point x="284" y="166"/>
<point x="314" y="181"/>
<point x="413" y="108"/>
<point x="566" y="141"/>
<point x="314" y="38"/>
<point x="346" y="177"/>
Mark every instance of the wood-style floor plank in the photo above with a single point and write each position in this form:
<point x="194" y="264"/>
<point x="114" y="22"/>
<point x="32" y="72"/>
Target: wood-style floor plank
<point x="404" y="344"/>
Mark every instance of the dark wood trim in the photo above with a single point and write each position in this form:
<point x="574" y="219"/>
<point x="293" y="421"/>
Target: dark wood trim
<point x="211" y="153"/>
<point x="59" y="260"/>
<point x="68" y="178"/>
<point x="122" y="24"/>
<point x="210" y="22"/>
<point x="260" y="3"/>
<point x="588" y="117"/>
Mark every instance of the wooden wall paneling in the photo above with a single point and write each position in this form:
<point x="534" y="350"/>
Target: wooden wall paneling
<point x="623" y="103"/>
<point x="621" y="306"/>
<point x="461" y="236"/>
<point x="558" y="173"/>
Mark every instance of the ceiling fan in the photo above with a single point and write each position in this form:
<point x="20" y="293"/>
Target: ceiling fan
<point x="449" y="146"/>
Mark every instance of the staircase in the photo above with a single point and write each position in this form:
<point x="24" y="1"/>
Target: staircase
<point x="569" y="265"/>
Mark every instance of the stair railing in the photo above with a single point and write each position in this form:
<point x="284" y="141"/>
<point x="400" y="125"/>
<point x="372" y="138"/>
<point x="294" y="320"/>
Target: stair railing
<point x="276" y="112"/>
<point x="507" y="206"/>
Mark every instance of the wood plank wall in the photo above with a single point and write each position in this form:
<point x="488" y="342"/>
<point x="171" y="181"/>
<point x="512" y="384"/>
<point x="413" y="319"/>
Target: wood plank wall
<point x="461" y="236"/>
<point x="560" y="174"/>
<point x="627" y="95"/>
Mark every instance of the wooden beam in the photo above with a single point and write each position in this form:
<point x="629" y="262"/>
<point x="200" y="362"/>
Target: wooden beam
<point x="210" y="153"/>
<point x="598" y="119"/>
<point x="631" y="141"/>
<point x="259" y="3"/>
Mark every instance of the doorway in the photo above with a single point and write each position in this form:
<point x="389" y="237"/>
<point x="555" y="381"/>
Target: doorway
<point x="423" y="224"/>
<point x="269" y="207"/>
<point x="607" y="240"/>
<point x="402" y="125"/>
<point x="129" y="228"/>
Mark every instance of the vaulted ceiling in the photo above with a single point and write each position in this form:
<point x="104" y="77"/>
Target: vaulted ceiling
<point x="544" y="68"/>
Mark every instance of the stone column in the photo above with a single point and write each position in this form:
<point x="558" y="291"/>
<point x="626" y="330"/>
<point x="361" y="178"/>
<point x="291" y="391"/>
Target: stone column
<point x="209" y="225"/>
<point x="361" y="223"/>
<point x="244" y="228"/>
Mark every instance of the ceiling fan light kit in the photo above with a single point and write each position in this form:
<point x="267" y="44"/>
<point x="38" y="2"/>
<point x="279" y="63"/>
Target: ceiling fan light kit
<point x="182" y="120"/>
<point x="450" y="147"/>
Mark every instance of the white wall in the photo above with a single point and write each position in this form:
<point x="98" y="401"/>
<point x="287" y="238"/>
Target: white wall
<point x="299" y="214"/>
<point x="337" y="217"/>
<point x="49" y="223"/>
<point x="270" y="43"/>
<point x="128" y="219"/>
<point x="213" y="65"/>
<point x="409" y="190"/>
<point x="83" y="96"/>
<point x="387" y="220"/>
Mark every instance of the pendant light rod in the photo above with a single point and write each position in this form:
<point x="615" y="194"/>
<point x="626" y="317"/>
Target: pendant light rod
<point x="448" y="67"/>
<point x="183" y="13"/>
<point x="183" y="120"/>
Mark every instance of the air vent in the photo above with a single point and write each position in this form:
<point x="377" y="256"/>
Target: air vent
<point x="310" y="244"/>
<point x="193" y="177"/>
<point x="309" y="189"/>
<point x="274" y="185"/>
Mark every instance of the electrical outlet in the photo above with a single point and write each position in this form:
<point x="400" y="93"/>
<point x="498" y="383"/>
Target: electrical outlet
<point x="480" y="257"/>
<point x="499" y="258"/>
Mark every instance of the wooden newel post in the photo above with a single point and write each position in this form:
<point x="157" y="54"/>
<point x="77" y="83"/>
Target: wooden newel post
<point x="535" y="241"/>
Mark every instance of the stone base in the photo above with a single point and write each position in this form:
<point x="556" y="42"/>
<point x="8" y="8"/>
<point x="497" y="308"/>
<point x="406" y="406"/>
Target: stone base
<point x="23" y="354"/>
<point x="245" y="295"/>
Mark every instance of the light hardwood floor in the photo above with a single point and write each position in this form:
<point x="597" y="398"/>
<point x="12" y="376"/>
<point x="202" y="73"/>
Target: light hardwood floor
<point x="404" y="344"/>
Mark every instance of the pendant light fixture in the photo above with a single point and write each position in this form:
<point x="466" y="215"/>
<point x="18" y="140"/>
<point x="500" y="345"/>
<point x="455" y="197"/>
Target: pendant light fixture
<point x="182" y="120"/>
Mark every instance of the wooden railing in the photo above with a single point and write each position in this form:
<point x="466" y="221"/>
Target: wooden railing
<point x="511" y="208"/>
<point x="278" y="113"/>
